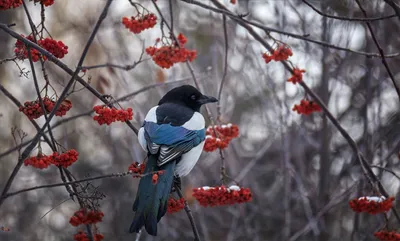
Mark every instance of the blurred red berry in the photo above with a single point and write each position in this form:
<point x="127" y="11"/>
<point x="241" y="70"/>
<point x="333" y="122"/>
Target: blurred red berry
<point x="107" y="115"/>
<point x="175" y="205"/>
<point x="219" y="196"/>
<point x="7" y="4"/>
<point x="154" y="178"/>
<point x="297" y="76"/>
<point x="371" y="205"/>
<point x="306" y="107"/>
<point x="168" y="55"/>
<point x="138" y="24"/>
<point x="387" y="235"/>
<point x="283" y="52"/>
<point x="221" y="138"/>
<point x="137" y="168"/>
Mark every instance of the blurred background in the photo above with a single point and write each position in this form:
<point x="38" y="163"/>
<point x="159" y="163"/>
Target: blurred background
<point x="301" y="171"/>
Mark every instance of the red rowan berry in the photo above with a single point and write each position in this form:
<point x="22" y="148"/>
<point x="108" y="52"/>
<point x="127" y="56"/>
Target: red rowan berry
<point x="306" y="107"/>
<point x="218" y="196"/>
<point x="138" y="24"/>
<point x="297" y="76"/>
<point x="371" y="205"/>
<point x="175" y="205"/>
<point x="107" y="115"/>
<point x="7" y="4"/>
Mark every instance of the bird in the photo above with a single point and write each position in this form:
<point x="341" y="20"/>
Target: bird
<point x="173" y="134"/>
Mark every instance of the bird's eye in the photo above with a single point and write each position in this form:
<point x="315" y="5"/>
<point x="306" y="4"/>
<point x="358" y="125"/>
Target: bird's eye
<point x="193" y="97"/>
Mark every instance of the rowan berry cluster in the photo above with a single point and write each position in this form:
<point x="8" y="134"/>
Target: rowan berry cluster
<point x="371" y="205"/>
<point x="387" y="235"/>
<point x="168" y="55"/>
<point x="221" y="137"/>
<point x="139" y="23"/>
<point x="306" y="107"/>
<point x="175" y="205"/>
<point x="297" y="76"/>
<point x="137" y="168"/>
<point x="107" y="115"/>
<point x="57" y="48"/>
<point x="64" y="159"/>
<point x="21" y="50"/>
<point x="45" y="2"/>
<point x="283" y="52"/>
<point x="82" y="236"/>
<point x="218" y="196"/>
<point x="84" y="216"/>
<point x="7" y="4"/>
<point x="40" y="161"/>
<point x="33" y="110"/>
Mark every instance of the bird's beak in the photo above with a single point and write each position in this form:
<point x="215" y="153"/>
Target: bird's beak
<point x="206" y="99"/>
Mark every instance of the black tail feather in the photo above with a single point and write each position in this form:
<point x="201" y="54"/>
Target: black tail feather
<point x="151" y="200"/>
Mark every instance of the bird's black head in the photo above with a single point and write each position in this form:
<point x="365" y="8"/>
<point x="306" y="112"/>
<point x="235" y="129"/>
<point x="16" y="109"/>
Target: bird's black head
<point x="187" y="95"/>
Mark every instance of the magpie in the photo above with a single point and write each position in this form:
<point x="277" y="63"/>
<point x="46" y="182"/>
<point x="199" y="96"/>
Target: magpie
<point x="173" y="135"/>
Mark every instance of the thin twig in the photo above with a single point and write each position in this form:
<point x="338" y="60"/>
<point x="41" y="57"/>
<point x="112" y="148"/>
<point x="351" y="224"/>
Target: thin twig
<point x="122" y="174"/>
<point x="36" y="139"/>
<point x="376" y="184"/>
<point x="347" y="18"/>
<point x="386" y="170"/>
<point x="384" y="62"/>
<point x="89" y="112"/>
<point x="297" y="36"/>
<point x="18" y="104"/>
<point x="189" y="214"/>
<point x="225" y="67"/>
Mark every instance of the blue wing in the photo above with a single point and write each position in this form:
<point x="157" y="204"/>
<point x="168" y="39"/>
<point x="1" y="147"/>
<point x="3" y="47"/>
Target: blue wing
<point x="170" y="141"/>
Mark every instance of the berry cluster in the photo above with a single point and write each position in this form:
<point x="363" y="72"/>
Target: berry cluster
<point x="40" y="161"/>
<point x="218" y="196"/>
<point x="139" y="23"/>
<point x="306" y="107"/>
<point x="371" y="205"/>
<point x="221" y="139"/>
<point x="107" y="115"/>
<point x="297" y="76"/>
<point x="22" y="52"/>
<point x="64" y="159"/>
<point x="33" y="110"/>
<point x="45" y="2"/>
<point x="168" y="55"/>
<point x="137" y="168"/>
<point x="283" y="52"/>
<point x="7" y="4"/>
<point x="233" y="1"/>
<point x="175" y="205"/>
<point x="84" y="216"/>
<point x="82" y="236"/>
<point x="57" y="48"/>
<point x="387" y="235"/>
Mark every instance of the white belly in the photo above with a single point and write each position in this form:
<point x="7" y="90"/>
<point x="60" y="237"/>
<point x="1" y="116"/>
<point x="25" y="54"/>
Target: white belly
<point x="189" y="159"/>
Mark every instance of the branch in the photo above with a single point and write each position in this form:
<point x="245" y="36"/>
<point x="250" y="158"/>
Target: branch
<point x="122" y="174"/>
<point x="189" y="214"/>
<point x="373" y="179"/>
<point x="225" y="67"/>
<point x="89" y="112"/>
<point x="18" y="104"/>
<point x="27" y="151"/>
<point x="347" y="18"/>
<point x="384" y="62"/>
<point x="268" y="29"/>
